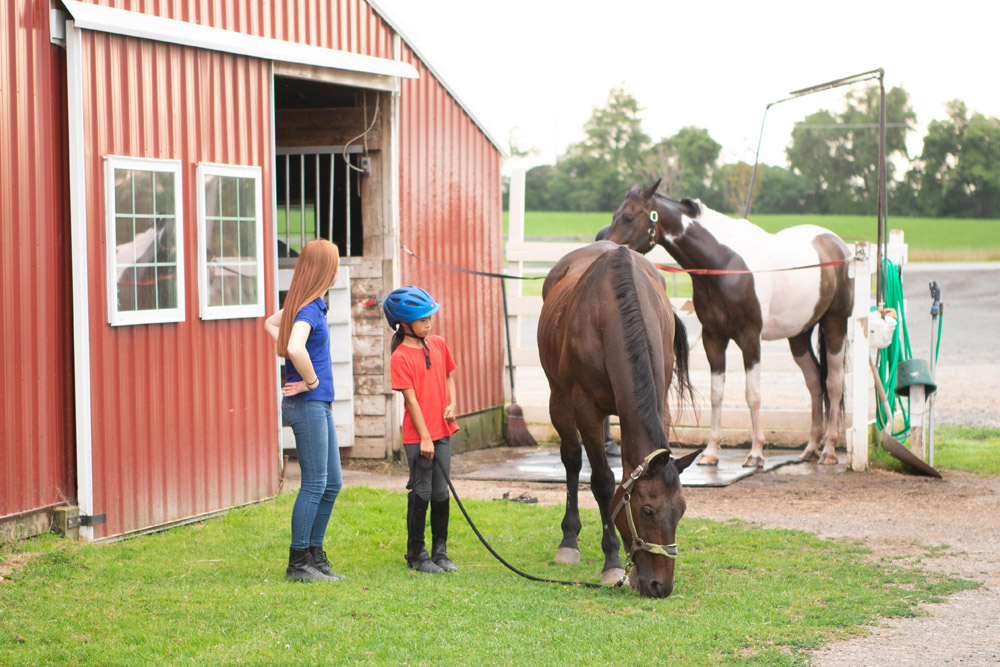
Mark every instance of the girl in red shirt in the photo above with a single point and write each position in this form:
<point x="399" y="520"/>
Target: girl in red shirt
<point x="421" y="368"/>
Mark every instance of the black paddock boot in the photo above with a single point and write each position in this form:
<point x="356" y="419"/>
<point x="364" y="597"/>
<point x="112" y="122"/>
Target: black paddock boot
<point x="300" y="567"/>
<point x="319" y="561"/>
<point x="416" y="518"/>
<point x="439" y="532"/>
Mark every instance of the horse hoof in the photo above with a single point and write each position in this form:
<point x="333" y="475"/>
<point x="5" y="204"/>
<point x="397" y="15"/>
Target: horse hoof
<point x="708" y="460"/>
<point x="754" y="462"/>
<point x="829" y="460"/>
<point x="568" y="556"/>
<point x="612" y="576"/>
<point x="809" y="457"/>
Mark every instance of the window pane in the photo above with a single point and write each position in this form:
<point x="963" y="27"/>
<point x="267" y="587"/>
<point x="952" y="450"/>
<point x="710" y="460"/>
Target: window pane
<point x="213" y="240"/>
<point x="126" y="289"/>
<point x="145" y="241"/>
<point x="166" y="285"/>
<point x="230" y="286"/>
<point x="229" y="189"/>
<point x="249" y="283"/>
<point x="164" y="193"/>
<point x="143" y="184"/>
<point x="212" y="205"/>
<point x="124" y="249"/>
<point x="145" y="288"/>
<point x="215" y="285"/>
<point x="248" y="195"/>
<point x="123" y="191"/>
<point x="230" y="242"/>
<point x="166" y="240"/>
<point x="248" y="240"/>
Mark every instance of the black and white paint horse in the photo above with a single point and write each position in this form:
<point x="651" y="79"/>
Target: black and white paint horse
<point x="761" y="299"/>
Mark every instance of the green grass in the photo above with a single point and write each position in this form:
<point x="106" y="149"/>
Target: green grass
<point x="971" y="449"/>
<point x="929" y="239"/>
<point x="214" y="593"/>
<point x="967" y="448"/>
<point x="295" y="230"/>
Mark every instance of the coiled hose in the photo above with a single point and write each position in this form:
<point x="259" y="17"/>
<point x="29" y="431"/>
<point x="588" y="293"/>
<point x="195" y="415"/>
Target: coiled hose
<point x="898" y="351"/>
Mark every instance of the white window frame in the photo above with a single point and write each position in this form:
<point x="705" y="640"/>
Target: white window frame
<point x="206" y="311"/>
<point x="162" y="315"/>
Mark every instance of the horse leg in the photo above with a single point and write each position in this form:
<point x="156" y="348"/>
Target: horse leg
<point x="835" y="332"/>
<point x="751" y="366"/>
<point x="715" y="350"/>
<point x="602" y="484"/>
<point x="801" y="346"/>
<point x="561" y="413"/>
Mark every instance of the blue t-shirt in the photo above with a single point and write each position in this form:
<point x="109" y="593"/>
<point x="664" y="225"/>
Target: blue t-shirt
<point x="318" y="347"/>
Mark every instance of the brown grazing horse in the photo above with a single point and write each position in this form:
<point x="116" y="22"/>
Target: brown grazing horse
<point x="609" y="344"/>
<point x="766" y="295"/>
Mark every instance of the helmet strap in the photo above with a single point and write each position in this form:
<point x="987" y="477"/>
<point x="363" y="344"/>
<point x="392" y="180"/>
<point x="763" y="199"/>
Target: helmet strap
<point x="423" y="341"/>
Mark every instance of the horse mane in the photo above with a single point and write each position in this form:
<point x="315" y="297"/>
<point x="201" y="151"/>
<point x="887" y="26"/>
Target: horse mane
<point x="636" y="345"/>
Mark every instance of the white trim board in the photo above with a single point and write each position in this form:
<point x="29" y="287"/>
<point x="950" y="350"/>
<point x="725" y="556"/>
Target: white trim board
<point x="147" y="26"/>
<point x="80" y="279"/>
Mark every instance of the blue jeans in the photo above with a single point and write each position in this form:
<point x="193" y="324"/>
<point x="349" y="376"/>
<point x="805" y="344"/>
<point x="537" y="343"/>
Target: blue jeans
<point x="319" y="461"/>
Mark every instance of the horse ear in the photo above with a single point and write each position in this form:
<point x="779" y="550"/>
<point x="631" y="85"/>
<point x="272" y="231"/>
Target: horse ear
<point x="658" y="462"/>
<point x="651" y="190"/>
<point x="686" y="460"/>
<point x="691" y="207"/>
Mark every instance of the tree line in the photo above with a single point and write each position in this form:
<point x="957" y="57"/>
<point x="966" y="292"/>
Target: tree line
<point x="832" y="158"/>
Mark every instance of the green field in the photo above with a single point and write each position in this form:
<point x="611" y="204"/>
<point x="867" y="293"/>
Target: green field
<point x="929" y="239"/>
<point x="214" y="593"/>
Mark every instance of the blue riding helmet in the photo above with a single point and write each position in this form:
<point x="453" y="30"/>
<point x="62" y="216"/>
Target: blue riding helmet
<point x="408" y="304"/>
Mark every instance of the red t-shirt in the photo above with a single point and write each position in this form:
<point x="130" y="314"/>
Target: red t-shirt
<point x="408" y="370"/>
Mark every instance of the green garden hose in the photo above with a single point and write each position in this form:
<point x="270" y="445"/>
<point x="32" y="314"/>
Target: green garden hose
<point x="897" y="351"/>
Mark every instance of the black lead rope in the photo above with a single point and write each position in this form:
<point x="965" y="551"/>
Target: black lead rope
<point x="486" y="544"/>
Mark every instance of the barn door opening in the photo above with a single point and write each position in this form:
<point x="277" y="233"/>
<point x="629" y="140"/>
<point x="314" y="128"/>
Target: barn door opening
<point x="322" y="157"/>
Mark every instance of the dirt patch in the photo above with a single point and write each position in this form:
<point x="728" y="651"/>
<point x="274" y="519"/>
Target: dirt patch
<point x="10" y="562"/>
<point x="950" y="525"/>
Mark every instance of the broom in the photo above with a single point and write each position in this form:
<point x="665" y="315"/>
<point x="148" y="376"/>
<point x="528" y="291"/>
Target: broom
<point x="517" y="431"/>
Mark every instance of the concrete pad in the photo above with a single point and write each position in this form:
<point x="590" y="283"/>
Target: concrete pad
<point x="544" y="465"/>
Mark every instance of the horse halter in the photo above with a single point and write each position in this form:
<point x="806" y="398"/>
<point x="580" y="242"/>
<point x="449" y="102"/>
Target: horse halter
<point x="654" y="217"/>
<point x="638" y="544"/>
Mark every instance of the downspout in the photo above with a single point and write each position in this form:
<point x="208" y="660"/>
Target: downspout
<point x="80" y="274"/>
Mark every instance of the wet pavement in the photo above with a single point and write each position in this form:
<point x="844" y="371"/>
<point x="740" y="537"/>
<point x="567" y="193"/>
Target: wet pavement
<point x="543" y="464"/>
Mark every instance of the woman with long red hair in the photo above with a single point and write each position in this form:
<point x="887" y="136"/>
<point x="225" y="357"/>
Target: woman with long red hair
<point x="303" y="336"/>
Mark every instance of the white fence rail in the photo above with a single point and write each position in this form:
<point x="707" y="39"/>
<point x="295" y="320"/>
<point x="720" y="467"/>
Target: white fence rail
<point x="785" y="414"/>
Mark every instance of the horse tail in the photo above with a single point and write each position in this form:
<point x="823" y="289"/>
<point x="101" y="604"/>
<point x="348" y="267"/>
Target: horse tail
<point x="636" y="343"/>
<point x="685" y="392"/>
<point x="824" y="371"/>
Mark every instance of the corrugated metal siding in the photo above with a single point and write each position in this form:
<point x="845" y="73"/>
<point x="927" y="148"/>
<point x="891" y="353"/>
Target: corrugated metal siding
<point x="450" y="208"/>
<point x="181" y="424"/>
<point x="36" y="399"/>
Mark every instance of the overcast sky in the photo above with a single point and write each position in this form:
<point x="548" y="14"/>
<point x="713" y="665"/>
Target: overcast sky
<point x="534" y="70"/>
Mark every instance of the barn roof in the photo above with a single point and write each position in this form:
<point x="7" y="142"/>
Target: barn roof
<point x="501" y="145"/>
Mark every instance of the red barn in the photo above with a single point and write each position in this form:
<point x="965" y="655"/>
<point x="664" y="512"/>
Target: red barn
<point x="160" y="164"/>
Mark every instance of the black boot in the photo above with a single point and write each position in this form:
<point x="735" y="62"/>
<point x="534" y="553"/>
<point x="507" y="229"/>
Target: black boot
<point x="416" y="520"/>
<point x="319" y="561"/>
<point x="300" y="567"/>
<point x="439" y="532"/>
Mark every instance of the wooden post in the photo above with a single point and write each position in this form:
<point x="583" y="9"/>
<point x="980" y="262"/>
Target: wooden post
<point x="857" y="433"/>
